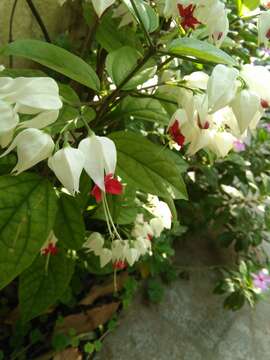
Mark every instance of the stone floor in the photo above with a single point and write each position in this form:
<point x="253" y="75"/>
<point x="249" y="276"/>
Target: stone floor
<point x="190" y="324"/>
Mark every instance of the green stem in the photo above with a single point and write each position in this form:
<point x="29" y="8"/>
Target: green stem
<point x="104" y="107"/>
<point x="10" y="37"/>
<point x="39" y="20"/>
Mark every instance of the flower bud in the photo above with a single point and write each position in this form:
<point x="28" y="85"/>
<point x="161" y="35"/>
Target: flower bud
<point x="67" y="164"/>
<point x="221" y="87"/>
<point x="33" y="146"/>
<point x="100" y="158"/>
<point x="245" y="106"/>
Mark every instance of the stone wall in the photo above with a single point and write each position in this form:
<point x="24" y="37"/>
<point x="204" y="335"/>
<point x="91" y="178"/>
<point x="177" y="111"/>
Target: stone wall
<point x="56" y="18"/>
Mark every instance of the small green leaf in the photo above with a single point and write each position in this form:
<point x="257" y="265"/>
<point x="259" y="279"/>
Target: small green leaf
<point x="147" y="166"/>
<point x="147" y="14"/>
<point x="89" y="348"/>
<point x="69" y="225"/>
<point x="39" y="289"/>
<point x="200" y="50"/>
<point x="55" y="58"/>
<point x="133" y="108"/>
<point x="28" y="206"/>
<point x="111" y="37"/>
<point x="120" y="63"/>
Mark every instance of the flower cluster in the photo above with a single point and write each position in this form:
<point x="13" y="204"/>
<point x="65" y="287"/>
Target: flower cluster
<point x="123" y="252"/>
<point x="28" y="105"/>
<point x="210" y="13"/>
<point x="219" y="110"/>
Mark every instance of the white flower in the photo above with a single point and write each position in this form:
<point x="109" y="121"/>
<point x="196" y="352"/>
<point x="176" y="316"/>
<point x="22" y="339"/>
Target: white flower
<point x="157" y="226"/>
<point x="257" y="79"/>
<point x="95" y="243"/>
<point x="67" y="164"/>
<point x="221" y="142"/>
<point x="141" y="228"/>
<point x="159" y="209"/>
<point x="197" y="80"/>
<point x="264" y="28"/>
<point x="245" y="107"/>
<point x="30" y="95"/>
<point x="9" y="121"/>
<point x="100" y="158"/>
<point x="33" y="146"/>
<point x="221" y="87"/>
<point x="41" y="120"/>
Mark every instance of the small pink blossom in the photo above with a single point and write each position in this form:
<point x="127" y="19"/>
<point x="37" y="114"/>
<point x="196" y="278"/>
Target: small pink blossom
<point x="261" y="280"/>
<point x="239" y="146"/>
<point x="267" y="127"/>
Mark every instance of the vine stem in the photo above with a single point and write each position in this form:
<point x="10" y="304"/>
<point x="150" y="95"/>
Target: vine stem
<point x="10" y="36"/>
<point x="105" y="105"/>
<point x="39" y="20"/>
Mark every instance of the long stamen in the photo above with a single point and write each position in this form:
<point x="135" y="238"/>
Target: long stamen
<point x="110" y="217"/>
<point x="106" y="215"/>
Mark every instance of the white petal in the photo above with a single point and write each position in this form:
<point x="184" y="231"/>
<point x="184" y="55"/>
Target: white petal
<point x="109" y="154"/>
<point x="94" y="160"/>
<point x="42" y="120"/>
<point x="105" y="257"/>
<point x="33" y="146"/>
<point x="67" y="165"/>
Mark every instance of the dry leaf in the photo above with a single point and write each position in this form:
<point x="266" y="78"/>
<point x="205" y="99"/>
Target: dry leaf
<point x="104" y="289"/>
<point x="68" y="354"/>
<point x="88" y="320"/>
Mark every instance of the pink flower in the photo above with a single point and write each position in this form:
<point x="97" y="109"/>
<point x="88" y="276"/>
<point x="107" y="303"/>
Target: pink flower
<point x="239" y="146"/>
<point x="261" y="281"/>
<point x="267" y="127"/>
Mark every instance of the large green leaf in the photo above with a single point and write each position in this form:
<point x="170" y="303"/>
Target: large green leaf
<point x="147" y="166"/>
<point x="200" y="50"/>
<point x="69" y="225"/>
<point x="55" y="58"/>
<point x="28" y="206"/>
<point x="38" y="288"/>
<point x="120" y="63"/>
<point x="143" y="109"/>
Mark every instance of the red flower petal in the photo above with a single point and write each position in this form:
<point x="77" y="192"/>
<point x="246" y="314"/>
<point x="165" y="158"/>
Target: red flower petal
<point x="176" y="134"/>
<point x="97" y="193"/>
<point x="113" y="186"/>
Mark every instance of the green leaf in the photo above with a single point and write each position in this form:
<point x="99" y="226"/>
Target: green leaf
<point x="120" y="63"/>
<point x="123" y="208"/>
<point x="249" y="5"/>
<point x="142" y="109"/>
<point x="148" y="16"/>
<point x="69" y="225"/>
<point x="200" y="50"/>
<point x="28" y="206"/>
<point x="54" y="58"/>
<point x="111" y="37"/>
<point x="70" y="115"/>
<point x="147" y="166"/>
<point x="39" y="289"/>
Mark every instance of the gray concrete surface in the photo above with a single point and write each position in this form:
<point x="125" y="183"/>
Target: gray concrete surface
<point x="190" y="324"/>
